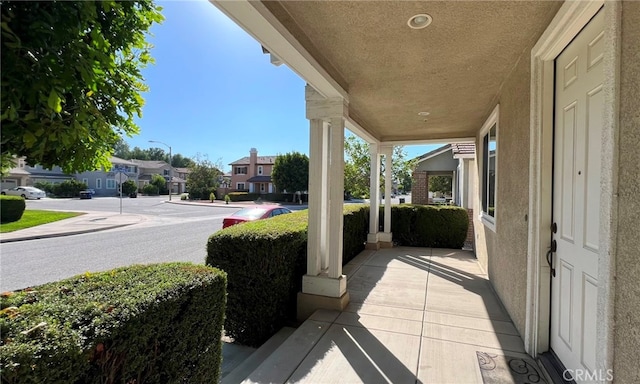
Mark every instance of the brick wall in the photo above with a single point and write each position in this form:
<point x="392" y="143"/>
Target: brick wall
<point x="420" y="188"/>
<point x="470" y="241"/>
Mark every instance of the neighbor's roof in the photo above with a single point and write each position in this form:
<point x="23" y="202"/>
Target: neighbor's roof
<point x="260" y="160"/>
<point x="150" y="163"/>
<point x="182" y="170"/>
<point x="117" y="160"/>
<point x="434" y="153"/>
<point x="463" y="148"/>
<point x="18" y="171"/>
<point x="260" y="179"/>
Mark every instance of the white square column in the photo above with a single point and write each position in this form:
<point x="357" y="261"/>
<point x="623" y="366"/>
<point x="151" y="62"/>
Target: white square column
<point x="386" y="238"/>
<point x="317" y="257"/>
<point x="374" y="198"/>
<point x="336" y="197"/>
<point x="324" y="285"/>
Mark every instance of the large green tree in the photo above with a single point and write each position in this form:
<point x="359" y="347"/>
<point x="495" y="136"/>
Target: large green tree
<point x="71" y="79"/>
<point x="440" y="184"/>
<point x="291" y="172"/>
<point x="357" y="167"/>
<point x="203" y="178"/>
<point x="123" y="151"/>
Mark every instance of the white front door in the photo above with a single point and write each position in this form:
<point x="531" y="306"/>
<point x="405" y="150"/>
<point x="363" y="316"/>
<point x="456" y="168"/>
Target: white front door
<point x="576" y="197"/>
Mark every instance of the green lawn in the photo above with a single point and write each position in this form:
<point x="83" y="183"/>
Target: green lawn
<point x="32" y="218"/>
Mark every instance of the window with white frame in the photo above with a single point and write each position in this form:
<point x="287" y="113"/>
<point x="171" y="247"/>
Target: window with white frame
<point x="98" y="183"/>
<point x="240" y="170"/>
<point x="111" y="183"/>
<point x="259" y="169"/>
<point x="240" y="186"/>
<point x="489" y="175"/>
<point x="86" y="181"/>
<point x="262" y="189"/>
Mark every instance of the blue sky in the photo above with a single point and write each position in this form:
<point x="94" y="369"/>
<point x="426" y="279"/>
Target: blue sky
<point x="214" y="93"/>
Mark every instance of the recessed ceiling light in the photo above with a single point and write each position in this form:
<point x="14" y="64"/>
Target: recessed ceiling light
<point x="423" y="113"/>
<point x="419" y="21"/>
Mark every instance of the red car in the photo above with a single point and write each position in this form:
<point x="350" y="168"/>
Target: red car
<point x="254" y="212"/>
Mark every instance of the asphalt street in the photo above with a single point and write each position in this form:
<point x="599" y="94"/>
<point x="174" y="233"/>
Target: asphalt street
<point x="172" y="233"/>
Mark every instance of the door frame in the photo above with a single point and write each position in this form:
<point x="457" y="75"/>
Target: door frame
<point x="568" y="22"/>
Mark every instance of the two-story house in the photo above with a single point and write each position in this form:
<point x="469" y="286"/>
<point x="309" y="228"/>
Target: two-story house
<point x="253" y="173"/>
<point x="148" y="168"/>
<point x="105" y="182"/>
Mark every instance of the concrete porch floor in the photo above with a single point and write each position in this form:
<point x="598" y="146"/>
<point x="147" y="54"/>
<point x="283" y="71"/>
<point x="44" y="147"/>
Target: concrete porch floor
<point x="417" y="315"/>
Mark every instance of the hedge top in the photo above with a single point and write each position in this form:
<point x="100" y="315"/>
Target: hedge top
<point x="83" y="307"/>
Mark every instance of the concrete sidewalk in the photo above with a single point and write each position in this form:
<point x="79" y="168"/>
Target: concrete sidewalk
<point x="85" y="223"/>
<point x="417" y="315"/>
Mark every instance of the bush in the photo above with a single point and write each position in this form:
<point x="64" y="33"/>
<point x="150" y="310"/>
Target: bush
<point x="45" y="186"/>
<point x="264" y="261"/>
<point x="243" y="196"/>
<point x="68" y="188"/>
<point x="153" y="324"/>
<point x="11" y="208"/>
<point x="356" y="228"/>
<point x="428" y="226"/>
<point x="129" y="187"/>
<point x="161" y="183"/>
<point x="184" y="196"/>
<point x="227" y="199"/>
<point x="150" y="190"/>
<point x="201" y="193"/>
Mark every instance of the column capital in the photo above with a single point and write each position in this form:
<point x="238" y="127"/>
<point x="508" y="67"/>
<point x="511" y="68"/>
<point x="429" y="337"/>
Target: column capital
<point x="374" y="149"/>
<point x="386" y="149"/>
<point x="322" y="108"/>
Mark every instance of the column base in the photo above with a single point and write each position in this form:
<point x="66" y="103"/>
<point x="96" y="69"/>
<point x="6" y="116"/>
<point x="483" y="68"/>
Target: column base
<point x="309" y="303"/>
<point x="323" y="285"/>
<point x="372" y="246"/>
<point x="386" y="239"/>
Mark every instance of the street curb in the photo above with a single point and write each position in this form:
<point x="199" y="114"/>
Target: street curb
<point x="214" y="205"/>
<point x="62" y="234"/>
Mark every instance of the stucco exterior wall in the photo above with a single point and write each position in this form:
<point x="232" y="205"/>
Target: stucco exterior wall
<point x="507" y="247"/>
<point x="503" y="253"/>
<point x="441" y="162"/>
<point x="627" y="264"/>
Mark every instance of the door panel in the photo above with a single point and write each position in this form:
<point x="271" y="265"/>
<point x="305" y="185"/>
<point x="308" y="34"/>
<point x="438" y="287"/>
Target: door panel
<point x="576" y="197"/>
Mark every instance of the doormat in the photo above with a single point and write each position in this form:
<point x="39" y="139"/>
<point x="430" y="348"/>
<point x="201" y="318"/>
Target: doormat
<point x="498" y="369"/>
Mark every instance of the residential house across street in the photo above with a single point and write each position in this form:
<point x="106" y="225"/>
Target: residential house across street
<point x="253" y="173"/>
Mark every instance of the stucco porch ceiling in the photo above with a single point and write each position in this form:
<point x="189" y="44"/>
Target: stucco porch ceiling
<point x="453" y="69"/>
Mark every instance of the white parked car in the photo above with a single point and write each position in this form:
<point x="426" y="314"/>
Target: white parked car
<point x="25" y="192"/>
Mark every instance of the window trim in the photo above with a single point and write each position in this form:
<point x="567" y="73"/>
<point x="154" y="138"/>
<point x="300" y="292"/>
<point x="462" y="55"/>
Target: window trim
<point x="237" y="169"/>
<point x="238" y="186"/>
<point x="98" y="183"/>
<point x="260" y="170"/>
<point x="492" y="121"/>
<point x="115" y="184"/>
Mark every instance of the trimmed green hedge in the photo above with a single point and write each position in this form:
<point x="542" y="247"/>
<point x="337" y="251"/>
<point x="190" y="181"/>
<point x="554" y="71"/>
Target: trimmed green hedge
<point x="356" y="228"/>
<point x="277" y="197"/>
<point x="11" y="208"/>
<point x="264" y="261"/>
<point x="140" y="324"/>
<point x="428" y="225"/>
<point x="243" y="196"/>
